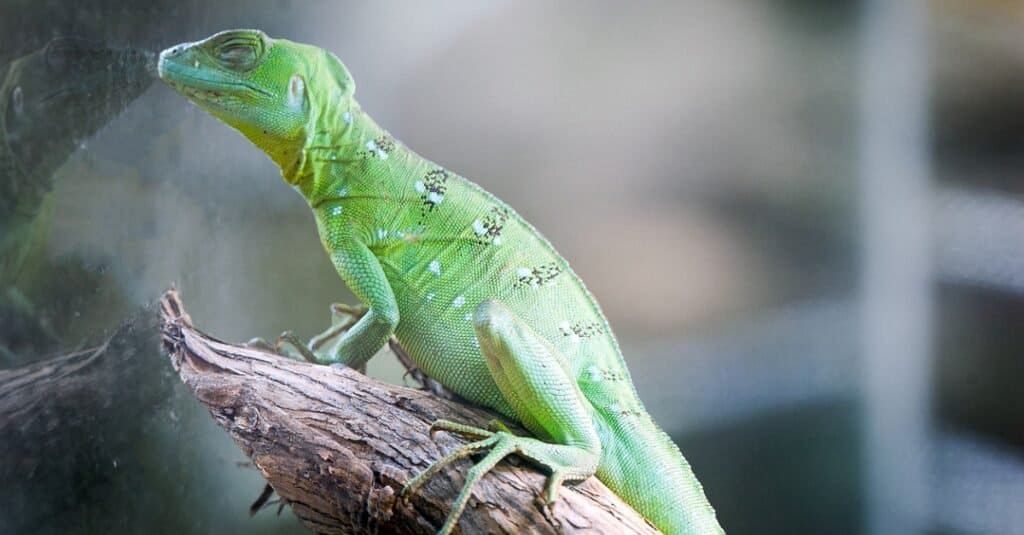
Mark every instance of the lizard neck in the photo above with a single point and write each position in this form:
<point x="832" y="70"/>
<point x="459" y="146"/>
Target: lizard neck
<point x="347" y="149"/>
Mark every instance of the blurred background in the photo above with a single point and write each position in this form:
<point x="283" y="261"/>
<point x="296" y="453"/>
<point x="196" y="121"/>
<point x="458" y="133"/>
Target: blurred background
<point x="804" y="220"/>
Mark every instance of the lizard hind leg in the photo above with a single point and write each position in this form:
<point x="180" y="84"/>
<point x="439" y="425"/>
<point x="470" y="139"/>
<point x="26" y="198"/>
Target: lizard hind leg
<point x="530" y="375"/>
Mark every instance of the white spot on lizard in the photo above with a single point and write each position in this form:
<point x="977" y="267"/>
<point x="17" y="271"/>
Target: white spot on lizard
<point x="435" y="267"/>
<point x="347" y="117"/>
<point x="478" y="228"/>
<point x="376" y="150"/>
<point x="430" y="296"/>
<point x="459" y="301"/>
<point x="566" y="329"/>
<point x="524" y="272"/>
<point x="595" y="374"/>
<point x="420" y="186"/>
<point x="336" y="210"/>
<point x="342" y="191"/>
<point x="382" y="233"/>
<point x="468" y="316"/>
<point x="434" y="197"/>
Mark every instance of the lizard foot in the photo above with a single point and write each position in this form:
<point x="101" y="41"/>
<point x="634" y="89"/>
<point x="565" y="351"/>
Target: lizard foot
<point x="501" y="442"/>
<point x="261" y="344"/>
<point x="321" y="347"/>
<point x="287" y="345"/>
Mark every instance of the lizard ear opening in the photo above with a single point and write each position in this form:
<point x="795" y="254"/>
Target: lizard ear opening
<point x="296" y="93"/>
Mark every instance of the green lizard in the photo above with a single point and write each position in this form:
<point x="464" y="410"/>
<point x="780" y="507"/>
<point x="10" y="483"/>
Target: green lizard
<point x="476" y="296"/>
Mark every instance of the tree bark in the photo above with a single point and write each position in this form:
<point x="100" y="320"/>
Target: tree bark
<point x="338" y="446"/>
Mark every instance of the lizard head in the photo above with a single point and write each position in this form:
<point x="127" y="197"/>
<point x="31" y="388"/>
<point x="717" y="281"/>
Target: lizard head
<point x="271" y="90"/>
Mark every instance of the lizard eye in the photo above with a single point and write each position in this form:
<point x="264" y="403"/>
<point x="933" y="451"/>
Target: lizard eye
<point x="17" y="101"/>
<point x="238" y="54"/>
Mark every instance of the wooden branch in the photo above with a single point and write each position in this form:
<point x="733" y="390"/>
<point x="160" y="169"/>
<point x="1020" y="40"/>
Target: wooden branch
<point x="338" y="446"/>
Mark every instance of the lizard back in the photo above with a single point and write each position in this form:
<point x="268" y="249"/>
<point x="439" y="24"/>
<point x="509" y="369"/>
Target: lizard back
<point x="446" y="245"/>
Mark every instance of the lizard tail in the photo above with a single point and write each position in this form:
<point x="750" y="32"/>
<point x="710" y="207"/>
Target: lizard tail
<point x="646" y="469"/>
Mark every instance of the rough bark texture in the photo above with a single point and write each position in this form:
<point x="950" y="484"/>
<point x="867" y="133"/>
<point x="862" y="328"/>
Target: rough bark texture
<point x="338" y="446"/>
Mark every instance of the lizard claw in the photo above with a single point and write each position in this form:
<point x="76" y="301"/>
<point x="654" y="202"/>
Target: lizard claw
<point x="259" y="343"/>
<point x="496" y="425"/>
<point x="459" y="429"/>
<point x="289" y="345"/>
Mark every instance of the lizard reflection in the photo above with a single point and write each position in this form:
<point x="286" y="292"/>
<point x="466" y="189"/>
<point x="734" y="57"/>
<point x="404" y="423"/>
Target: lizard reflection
<point x="51" y="100"/>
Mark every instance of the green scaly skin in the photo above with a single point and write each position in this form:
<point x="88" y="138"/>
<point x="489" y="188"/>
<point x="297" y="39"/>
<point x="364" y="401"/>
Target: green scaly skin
<point x="477" y="297"/>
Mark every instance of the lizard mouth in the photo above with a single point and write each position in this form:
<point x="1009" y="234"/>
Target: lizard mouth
<point x="196" y="93"/>
<point x="184" y="79"/>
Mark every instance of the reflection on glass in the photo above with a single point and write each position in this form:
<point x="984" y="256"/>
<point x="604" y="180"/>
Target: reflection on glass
<point x="51" y="101"/>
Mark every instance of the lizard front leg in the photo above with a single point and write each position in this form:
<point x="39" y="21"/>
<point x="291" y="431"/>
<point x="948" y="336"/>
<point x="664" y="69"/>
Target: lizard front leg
<point x="530" y="375"/>
<point x="356" y="332"/>
<point x="363" y="274"/>
<point x="323" y="346"/>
